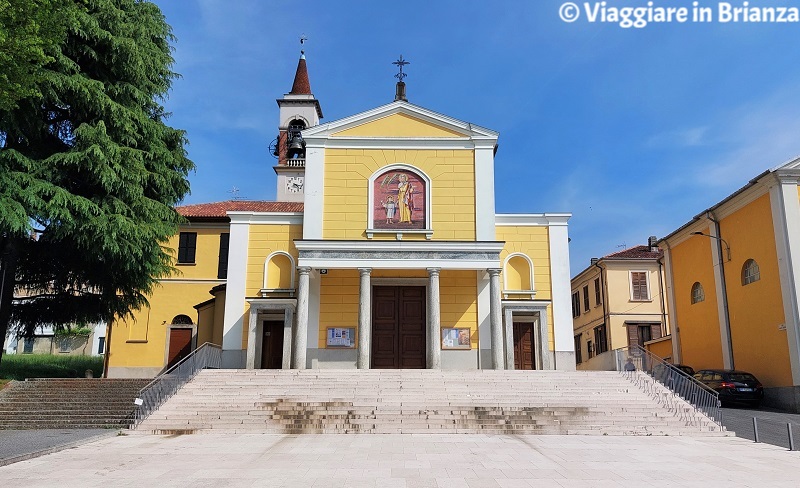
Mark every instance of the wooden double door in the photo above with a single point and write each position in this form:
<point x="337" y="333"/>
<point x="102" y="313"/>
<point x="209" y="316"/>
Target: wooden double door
<point x="398" y="327"/>
<point x="524" y="356"/>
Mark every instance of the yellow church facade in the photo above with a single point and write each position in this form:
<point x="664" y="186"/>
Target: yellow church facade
<point x="383" y="250"/>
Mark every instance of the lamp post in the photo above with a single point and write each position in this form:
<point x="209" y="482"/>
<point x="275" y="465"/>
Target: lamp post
<point x="724" y="288"/>
<point x="727" y="247"/>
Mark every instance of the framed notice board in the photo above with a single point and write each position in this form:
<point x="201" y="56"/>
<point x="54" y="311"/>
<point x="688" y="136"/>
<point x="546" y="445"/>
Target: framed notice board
<point x="456" y="338"/>
<point x="341" y="337"/>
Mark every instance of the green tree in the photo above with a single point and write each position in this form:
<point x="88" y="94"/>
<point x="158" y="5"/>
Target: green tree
<point x="89" y="170"/>
<point x="28" y="28"/>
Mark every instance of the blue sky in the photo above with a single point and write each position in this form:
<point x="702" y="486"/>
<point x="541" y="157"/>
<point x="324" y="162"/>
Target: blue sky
<point x="633" y="131"/>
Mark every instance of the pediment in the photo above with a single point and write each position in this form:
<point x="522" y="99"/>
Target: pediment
<point x="399" y="120"/>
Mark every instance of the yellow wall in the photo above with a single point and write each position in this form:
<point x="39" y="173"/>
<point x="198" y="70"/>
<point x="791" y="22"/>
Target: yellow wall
<point x="533" y="241"/>
<point x="206" y="254"/>
<point x="141" y="341"/>
<point x="698" y="323"/>
<point x="756" y="310"/>
<point x="662" y="349"/>
<point x="347" y="173"/>
<point x="338" y="302"/>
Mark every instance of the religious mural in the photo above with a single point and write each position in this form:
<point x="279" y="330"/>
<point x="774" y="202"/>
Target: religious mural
<point x="399" y="200"/>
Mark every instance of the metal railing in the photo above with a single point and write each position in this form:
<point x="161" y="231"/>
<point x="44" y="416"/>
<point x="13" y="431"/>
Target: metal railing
<point x="163" y="386"/>
<point x="648" y="371"/>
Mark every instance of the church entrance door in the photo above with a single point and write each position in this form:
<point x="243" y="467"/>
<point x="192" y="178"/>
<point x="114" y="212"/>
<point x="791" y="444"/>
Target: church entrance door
<point x="398" y="327"/>
<point x="272" y="345"/>
<point x="523" y="346"/>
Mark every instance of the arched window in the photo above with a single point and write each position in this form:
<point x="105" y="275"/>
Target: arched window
<point x="698" y="295"/>
<point x="750" y="272"/>
<point x="182" y="320"/>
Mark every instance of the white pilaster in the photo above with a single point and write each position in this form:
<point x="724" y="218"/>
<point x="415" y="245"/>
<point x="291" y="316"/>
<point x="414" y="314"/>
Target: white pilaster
<point x="364" y="318"/>
<point x="314" y="191"/>
<point x="720" y="287"/>
<point x="496" y="319"/>
<point x="232" y="354"/>
<point x="673" y="311"/>
<point x="300" y="342"/>
<point x="786" y="222"/>
<point x="484" y="191"/>
<point x="434" y="353"/>
<point x="484" y="324"/>
<point x="561" y="296"/>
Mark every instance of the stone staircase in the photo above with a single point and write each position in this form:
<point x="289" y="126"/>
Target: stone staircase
<point x="419" y="401"/>
<point x="68" y="403"/>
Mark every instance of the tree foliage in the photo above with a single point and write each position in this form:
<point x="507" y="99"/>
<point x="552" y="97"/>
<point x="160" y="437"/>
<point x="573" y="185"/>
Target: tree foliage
<point x="89" y="170"/>
<point x="28" y="28"/>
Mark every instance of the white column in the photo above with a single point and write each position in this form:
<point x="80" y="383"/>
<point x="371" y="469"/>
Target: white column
<point x="314" y="189"/>
<point x="508" y="317"/>
<point x="300" y="341"/>
<point x="496" y="318"/>
<point x="672" y="309"/>
<point x="434" y="355"/>
<point x="364" y="318"/>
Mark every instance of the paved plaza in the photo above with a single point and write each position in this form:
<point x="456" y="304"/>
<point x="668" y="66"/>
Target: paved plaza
<point x="386" y="461"/>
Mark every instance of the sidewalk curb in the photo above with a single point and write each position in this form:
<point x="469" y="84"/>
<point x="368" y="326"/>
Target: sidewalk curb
<point x="54" y="449"/>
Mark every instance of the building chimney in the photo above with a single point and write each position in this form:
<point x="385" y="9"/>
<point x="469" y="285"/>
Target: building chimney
<point x="594" y="261"/>
<point x="652" y="241"/>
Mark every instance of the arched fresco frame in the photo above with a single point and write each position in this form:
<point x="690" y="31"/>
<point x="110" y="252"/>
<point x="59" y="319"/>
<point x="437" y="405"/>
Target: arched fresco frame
<point x="398" y="186"/>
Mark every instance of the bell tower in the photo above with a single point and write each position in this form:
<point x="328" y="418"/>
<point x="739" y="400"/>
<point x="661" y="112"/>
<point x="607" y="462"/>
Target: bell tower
<point x="298" y="110"/>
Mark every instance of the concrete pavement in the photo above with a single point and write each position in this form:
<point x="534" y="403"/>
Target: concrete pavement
<point x="425" y="460"/>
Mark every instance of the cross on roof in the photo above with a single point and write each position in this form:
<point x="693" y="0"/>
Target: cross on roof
<point x="400" y="63"/>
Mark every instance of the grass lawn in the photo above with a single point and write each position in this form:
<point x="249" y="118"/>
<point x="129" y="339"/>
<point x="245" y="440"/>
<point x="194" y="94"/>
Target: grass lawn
<point x="21" y="366"/>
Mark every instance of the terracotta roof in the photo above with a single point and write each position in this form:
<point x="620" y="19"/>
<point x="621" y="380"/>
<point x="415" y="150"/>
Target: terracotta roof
<point x="301" y="85"/>
<point x="220" y="209"/>
<point x="636" y="252"/>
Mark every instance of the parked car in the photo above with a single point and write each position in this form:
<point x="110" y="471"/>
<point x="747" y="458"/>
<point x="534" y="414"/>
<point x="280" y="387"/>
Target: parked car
<point x="733" y="386"/>
<point x="686" y="369"/>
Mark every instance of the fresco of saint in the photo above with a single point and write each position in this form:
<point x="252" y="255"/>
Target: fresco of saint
<point x="399" y="201"/>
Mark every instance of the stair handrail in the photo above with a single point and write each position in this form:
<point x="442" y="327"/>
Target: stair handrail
<point x="645" y="369"/>
<point x="163" y="386"/>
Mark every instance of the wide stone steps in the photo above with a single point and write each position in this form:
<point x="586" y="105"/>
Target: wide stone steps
<point x="73" y="403"/>
<point x="420" y="401"/>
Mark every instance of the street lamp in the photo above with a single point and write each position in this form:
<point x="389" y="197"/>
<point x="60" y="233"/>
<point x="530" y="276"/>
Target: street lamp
<point x="727" y="247"/>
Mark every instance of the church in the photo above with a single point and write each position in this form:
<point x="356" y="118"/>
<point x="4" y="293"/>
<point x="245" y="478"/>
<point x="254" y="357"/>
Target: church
<point x="382" y="250"/>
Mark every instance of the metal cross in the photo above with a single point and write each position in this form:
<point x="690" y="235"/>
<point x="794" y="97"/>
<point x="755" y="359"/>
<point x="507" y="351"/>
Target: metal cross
<point x="400" y="63"/>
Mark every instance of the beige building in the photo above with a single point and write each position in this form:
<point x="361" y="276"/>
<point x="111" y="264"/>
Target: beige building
<point x="618" y="301"/>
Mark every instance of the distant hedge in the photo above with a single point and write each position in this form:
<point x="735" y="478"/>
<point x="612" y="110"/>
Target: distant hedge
<point x="21" y="366"/>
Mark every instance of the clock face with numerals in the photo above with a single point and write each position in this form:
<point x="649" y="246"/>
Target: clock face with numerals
<point x="294" y="184"/>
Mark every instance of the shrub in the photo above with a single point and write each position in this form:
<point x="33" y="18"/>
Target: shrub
<point x="21" y="366"/>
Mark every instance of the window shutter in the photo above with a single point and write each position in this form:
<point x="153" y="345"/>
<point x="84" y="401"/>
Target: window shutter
<point x="639" y="286"/>
<point x="224" y="244"/>
<point x="633" y="335"/>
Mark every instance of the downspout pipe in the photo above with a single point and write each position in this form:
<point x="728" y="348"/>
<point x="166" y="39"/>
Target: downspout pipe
<point x="726" y="312"/>
<point x="660" y="262"/>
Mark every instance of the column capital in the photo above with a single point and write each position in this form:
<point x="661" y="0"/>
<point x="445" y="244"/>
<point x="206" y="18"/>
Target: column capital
<point x="434" y="271"/>
<point x="364" y="271"/>
<point x="494" y="272"/>
<point x="304" y="270"/>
